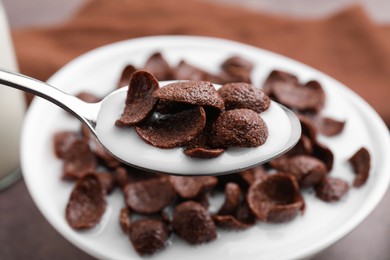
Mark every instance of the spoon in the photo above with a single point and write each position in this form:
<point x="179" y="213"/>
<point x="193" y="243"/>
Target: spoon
<point x="124" y="144"/>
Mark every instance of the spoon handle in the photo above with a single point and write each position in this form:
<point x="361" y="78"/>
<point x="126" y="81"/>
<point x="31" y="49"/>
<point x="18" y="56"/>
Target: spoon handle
<point x="85" y="112"/>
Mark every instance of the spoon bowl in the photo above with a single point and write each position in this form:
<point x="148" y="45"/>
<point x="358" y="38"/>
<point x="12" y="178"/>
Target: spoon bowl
<point x="124" y="144"/>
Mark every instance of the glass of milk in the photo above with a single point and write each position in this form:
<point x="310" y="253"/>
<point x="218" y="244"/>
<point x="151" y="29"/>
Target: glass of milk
<point x="12" y="108"/>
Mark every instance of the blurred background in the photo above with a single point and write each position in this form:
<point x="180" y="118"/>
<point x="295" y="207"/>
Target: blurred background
<point x="348" y="39"/>
<point x="49" y="12"/>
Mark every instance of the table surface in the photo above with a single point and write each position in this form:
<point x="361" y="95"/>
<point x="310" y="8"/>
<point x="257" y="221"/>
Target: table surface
<point x="27" y="235"/>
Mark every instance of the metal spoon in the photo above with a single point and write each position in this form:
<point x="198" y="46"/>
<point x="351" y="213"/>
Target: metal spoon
<point x="124" y="144"/>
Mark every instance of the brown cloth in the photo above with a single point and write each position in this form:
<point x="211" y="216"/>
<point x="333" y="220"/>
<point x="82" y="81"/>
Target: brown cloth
<point x="347" y="46"/>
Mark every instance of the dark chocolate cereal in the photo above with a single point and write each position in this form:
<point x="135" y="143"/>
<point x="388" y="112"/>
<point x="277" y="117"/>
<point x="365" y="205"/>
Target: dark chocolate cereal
<point x="136" y="175"/>
<point x="126" y="76"/>
<point x="308" y="170"/>
<point x="232" y="199"/>
<point x="309" y="97"/>
<point x="236" y="63"/>
<point x="202" y="199"/>
<point x="189" y="187"/>
<point x="174" y="130"/>
<point x="280" y="163"/>
<point x="125" y="219"/>
<point x="304" y="146"/>
<point x="149" y="196"/>
<point x="323" y="153"/>
<point x="277" y="78"/>
<point x="243" y="95"/>
<point x="86" y="132"/>
<point x="79" y="160"/>
<point x="62" y="142"/>
<point x="331" y="189"/>
<point x="244" y="214"/>
<point x="171" y="107"/>
<point x="159" y="67"/>
<point x="256" y="173"/>
<point x="199" y="147"/>
<point x="192" y="222"/>
<point x="107" y="181"/>
<point x="308" y="128"/>
<point x="361" y="163"/>
<point x="240" y="128"/>
<point x="328" y="126"/>
<point x="121" y="177"/>
<point x="276" y="199"/>
<point x="203" y="152"/>
<point x="148" y="235"/>
<point x="229" y="222"/>
<point x="140" y="102"/>
<point x="236" y="69"/>
<point x="200" y="93"/>
<point x="86" y="204"/>
<point x="186" y="71"/>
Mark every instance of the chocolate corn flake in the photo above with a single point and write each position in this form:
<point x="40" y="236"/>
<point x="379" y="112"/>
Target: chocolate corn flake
<point x="244" y="214"/>
<point x="239" y="128"/>
<point x="256" y="173"/>
<point x="236" y="69"/>
<point x="125" y="219"/>
<point x="149" y="196"/>
<point x="229" y="222"/>
<point x="236" y="62"/>
<point x="304" y="146"/>
<point x="203" y="152"/>
<point x="232" y="199"/>
<point x="174" y="130"/>
<point x="193" y="223"/>
<point x="186" y="71"/>
<point x="107" y="180"/>
<point x="137" y="175"/>
<point x="277" y="78"/>
<point x="328" y="126"/>
<point x="86" y="132"/>
<point x="159" y="67"/>
<point x="202" y="199"/>
<point x="308" y="128"/>
<point x="280" y="163"/>
<point x="199" y="147"/>
<point x="120" y="176"/>
<point x="323" y="153"/>
<point x="172" y="107"/>
<point x="62" y="141"/>
<point x="331" y="189"/>
<point x="79" y="160"/>
<point x="86" y="204"/>
<point x="309" y="97"/>
<point x="243" y="95"/>
<point x="200" y="93"/>
<point x="126" y="76"/>
<point x="285" y="89"/>
<point x="189" y="187"/>
<point x="140" y="102"/>
<point x="148" y="236"/>
<point x="308" y="170"/>
<point x="276" y="199"/>
<point x="361" y="163"/>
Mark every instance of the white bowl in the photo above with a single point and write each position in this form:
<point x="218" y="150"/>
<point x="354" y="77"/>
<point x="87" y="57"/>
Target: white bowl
<point x="321" y="225"/>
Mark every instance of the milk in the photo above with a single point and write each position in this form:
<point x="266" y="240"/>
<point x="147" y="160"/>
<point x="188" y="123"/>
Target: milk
<point x="12" y="105"/>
